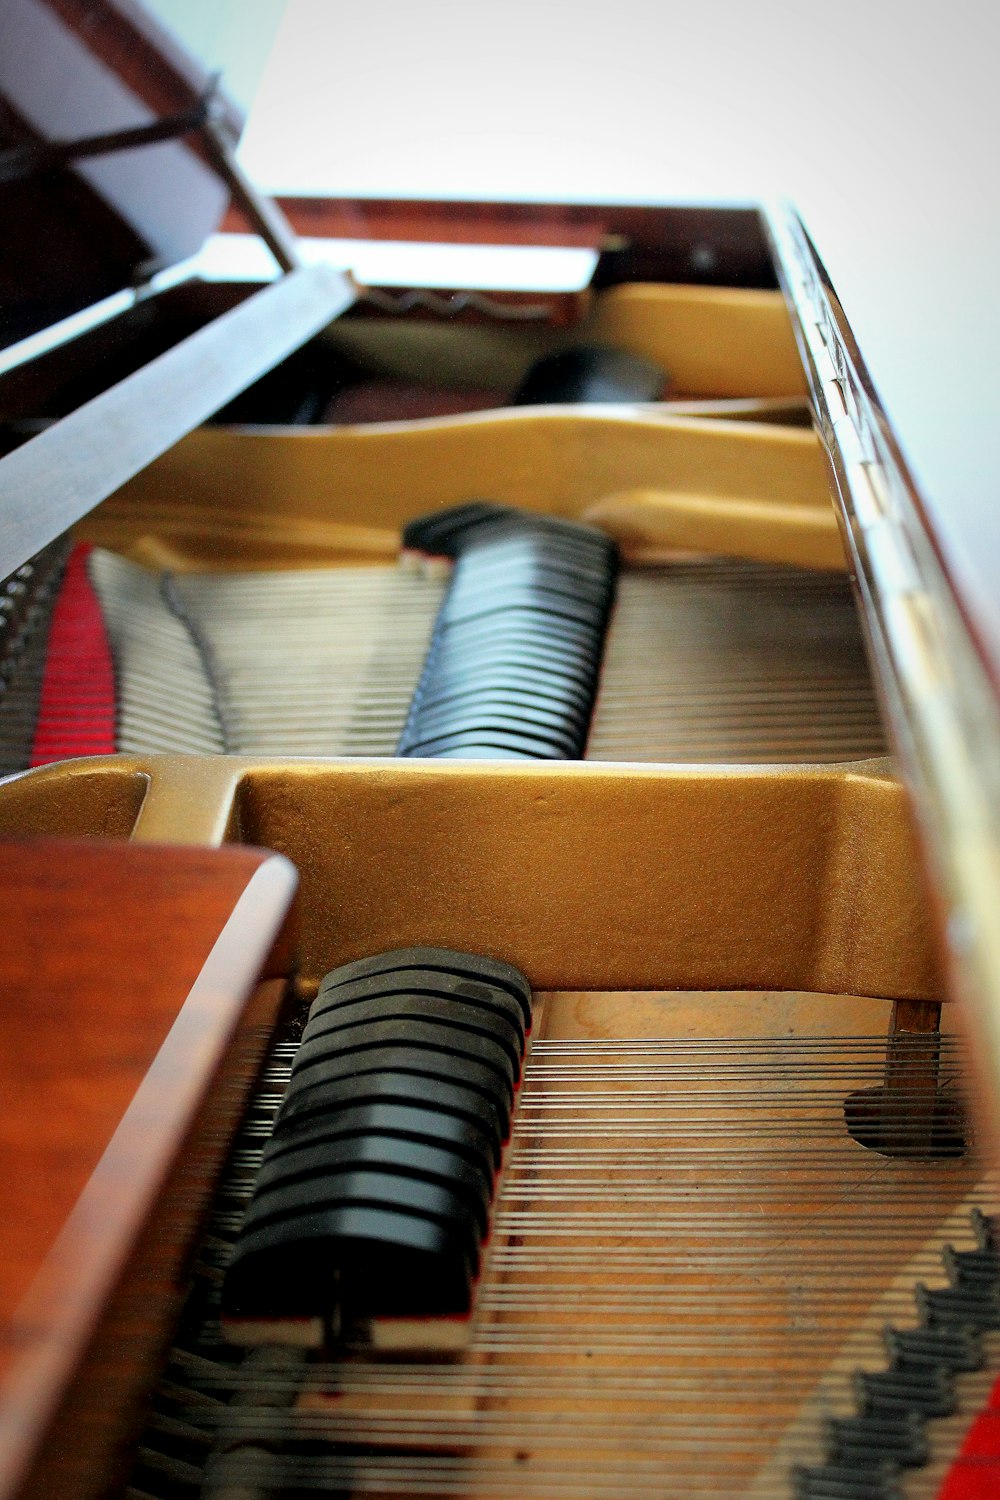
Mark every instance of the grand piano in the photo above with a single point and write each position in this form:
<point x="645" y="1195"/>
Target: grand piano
<point x="735" y="824"/>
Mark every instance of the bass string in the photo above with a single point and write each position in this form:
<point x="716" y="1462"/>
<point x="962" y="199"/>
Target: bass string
<point x="671" y="1374"/>
<point x="749" y="684"/>
<point x="267" y="662"/>
<point x="271" y="638"/>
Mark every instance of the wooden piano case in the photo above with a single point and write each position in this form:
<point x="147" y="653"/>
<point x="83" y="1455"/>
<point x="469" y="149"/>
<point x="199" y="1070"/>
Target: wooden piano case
<point x="740" y="1152"/>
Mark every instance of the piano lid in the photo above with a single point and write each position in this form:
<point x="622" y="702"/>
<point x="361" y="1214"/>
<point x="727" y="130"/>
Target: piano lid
<point x="74" y="231"/>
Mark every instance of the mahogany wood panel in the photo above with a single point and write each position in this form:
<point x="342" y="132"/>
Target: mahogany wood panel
<point x="123" y="974"/>
<point x="53" y="480"/>
<point x="718" y="246"/>
<point x="60" y="247"/>
<point x="109" y="1394"/>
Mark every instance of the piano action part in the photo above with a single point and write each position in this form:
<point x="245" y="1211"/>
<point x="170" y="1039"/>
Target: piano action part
<point x="742" y="1152"/>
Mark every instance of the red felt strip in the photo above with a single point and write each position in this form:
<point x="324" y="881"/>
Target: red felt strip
<point x="76" y="711"/>
<point x="975" y="1474"/>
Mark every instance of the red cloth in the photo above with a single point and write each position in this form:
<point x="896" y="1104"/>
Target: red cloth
<point x="76" y="711"/>
<point x="975" y="1474"/>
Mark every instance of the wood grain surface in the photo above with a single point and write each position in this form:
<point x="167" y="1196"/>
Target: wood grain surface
<point x="720" y="245"/>
<point x="123" y="974"/>
<point x="57" y="477"/>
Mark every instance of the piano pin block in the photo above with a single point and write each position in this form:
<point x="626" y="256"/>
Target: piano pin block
<point x="371" y="1208"/>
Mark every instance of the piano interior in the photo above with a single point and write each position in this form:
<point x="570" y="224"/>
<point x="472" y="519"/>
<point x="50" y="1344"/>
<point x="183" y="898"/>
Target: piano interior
<point x="743" y="1240"/>
<point x="249" y="579"/>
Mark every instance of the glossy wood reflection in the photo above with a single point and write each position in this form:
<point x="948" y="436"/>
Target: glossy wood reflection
<point x="123" y="974"/>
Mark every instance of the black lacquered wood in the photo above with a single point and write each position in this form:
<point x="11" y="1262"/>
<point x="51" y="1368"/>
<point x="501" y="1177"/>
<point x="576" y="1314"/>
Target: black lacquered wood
<point x="314" y="1160"/>
<point x="393" y="989"/>
<point x="385" y="1150"/>
<point x="526" y="612"/>
<point x="323" y="1097"/>
<point x="401" y="1122"/>
<point x="360" y="1187"/>
<point x="492" y="972"/>
<point x="448" y="1052"/>
<point x="351" y="1261"/>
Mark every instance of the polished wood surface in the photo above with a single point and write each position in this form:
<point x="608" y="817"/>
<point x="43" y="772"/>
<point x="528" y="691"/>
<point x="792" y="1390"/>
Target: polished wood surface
<point x="123" y="974"/>
<point x="917" y="306"/>
<point x="71" y="69"/>
<point x="720" y="245"/>
<point x="58" y="477"/>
